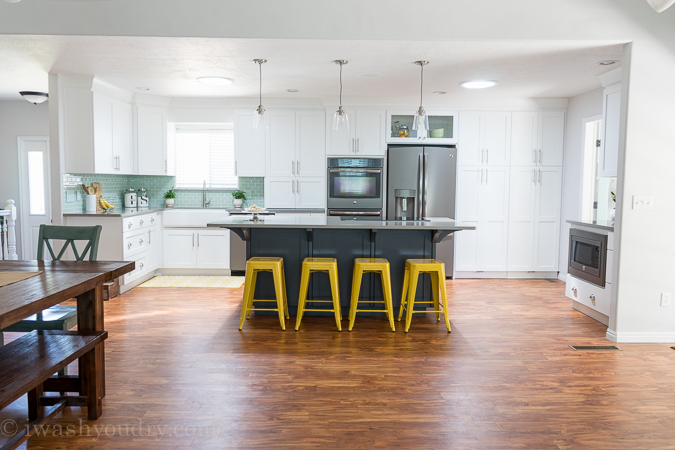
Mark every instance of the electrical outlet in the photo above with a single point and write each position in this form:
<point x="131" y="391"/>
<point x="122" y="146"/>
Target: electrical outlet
<point x="665" y="298"/>
<point x="70" y="196"/>
<point x="643" y="202"/>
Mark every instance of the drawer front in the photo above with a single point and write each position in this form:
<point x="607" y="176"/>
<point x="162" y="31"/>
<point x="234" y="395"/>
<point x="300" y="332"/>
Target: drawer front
<point x="135" y="242"/>
<point x="130" y="224"/>
<point x="140" y="270"/>
<point x="147" y="220"/>
<point x="587" y="294"/>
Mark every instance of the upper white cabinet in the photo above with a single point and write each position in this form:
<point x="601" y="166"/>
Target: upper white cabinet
<point x="280" y="143"/>
<point x="484" y="138"/>
<point x="249" y="146"/>
<point x="113" y="142"/>
<point x="537" y="138"/>
<point x="365" y="136"/>
<point x="151" y="139"/>
<point x="609" y="143"/>
<point x="310" y="143"/>
<point x="442" y="128"/>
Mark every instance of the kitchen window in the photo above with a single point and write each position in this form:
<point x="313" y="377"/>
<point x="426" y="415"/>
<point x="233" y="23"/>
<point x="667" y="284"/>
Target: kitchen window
<point x="205" y="153"/>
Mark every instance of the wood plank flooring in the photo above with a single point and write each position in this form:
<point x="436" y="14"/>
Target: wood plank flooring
<point x="178" y="367"/>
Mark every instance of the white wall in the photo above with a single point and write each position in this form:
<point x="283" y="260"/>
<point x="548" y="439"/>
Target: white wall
<point x="17" y="118"/>
<point x="579" y="108"/>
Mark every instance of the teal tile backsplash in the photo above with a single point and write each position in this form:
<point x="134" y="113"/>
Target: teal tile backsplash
<point x="113" y="187"/>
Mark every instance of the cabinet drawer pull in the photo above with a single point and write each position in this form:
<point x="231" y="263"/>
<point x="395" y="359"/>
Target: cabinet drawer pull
<point x="140" y="242"/>
<point x="129" y="225"/>
<point x="141" y="266"/>
<point x="152" y="220"/>
<point x="574" y="290"/>
<point x="129" y="245"/>
<point x="141" y="222"/>
<point x="592" y="297"/>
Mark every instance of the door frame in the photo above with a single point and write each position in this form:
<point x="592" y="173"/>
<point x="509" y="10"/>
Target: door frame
<point x="24" y="210"/>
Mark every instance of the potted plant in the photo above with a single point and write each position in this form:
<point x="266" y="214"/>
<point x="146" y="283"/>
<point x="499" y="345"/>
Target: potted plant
<point x="170" y="197"/>
<point x="612" y="212"/>
<point x="239" y="197"/>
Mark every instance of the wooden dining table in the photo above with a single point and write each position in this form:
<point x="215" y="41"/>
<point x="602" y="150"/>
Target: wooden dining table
<point x="57" y="282"/>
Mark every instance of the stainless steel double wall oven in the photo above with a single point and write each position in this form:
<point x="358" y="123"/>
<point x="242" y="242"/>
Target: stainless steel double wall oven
<point x="355" y="187"/>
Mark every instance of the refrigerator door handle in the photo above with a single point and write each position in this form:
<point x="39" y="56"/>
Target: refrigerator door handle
<point x="420" y="180"/>
<point x="426" y="185"/>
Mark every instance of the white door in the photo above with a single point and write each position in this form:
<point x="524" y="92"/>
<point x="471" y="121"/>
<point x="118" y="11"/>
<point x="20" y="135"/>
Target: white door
<point x="524" y="138"/>
<point x="180" y="249"/>
<point x="123" y="143"/>
<point x="249" y="146"/>
<point x="521" y="218"/>
<point x="551" y="137"/>
<point x="310" y="143"/>
<point x="497" y="138"/>
<point x="281" y="144"/>
<point x="370" y="132"/>
<point x="493" y="226"/>
<point x="470" y="145"/>
<point x="35" y="201"/>
<point x="547" y="219"/>
<point x="340" y="143"/>
<point x="151" y="140"/>
<point x="469" y="186"/>
<point x="310" y="192"/>
<point x="213" y="249"/>
<point x="280" y="192"/>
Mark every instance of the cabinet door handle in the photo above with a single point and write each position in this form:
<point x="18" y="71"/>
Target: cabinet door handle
<point x="358" y="143"/>
<point x="535" y="155"/>
<point x="481" y="176"/>
<point x="487" y="156"/>
<point x="539" y="176"/>
<point x="166" y="166"/>
<point x="292" y="167"/>
<point x="482" y="156"/>
<point x="540" y="157"/>
<point x="235" y="167"/>
<point x="297" y="167"/>
<point x="534" y="176"/>
<point x="197" y="239"/>
<point x="149" y="237"/>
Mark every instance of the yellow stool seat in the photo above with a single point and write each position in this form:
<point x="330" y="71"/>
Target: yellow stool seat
<point x="264" y="264"/>
<point x="371" y="265"/>
<point x="413" y="269"/>
<point x="312" y="265"/>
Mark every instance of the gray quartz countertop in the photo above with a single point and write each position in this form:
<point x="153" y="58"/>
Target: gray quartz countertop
<point x="283" y="211"/>
<point x="123" y="212"/>
<point x="306" y="221"/>
<point x="600" y="224"/>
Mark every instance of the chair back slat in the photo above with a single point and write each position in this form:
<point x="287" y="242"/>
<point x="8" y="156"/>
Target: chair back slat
<point x="70" y="235"/>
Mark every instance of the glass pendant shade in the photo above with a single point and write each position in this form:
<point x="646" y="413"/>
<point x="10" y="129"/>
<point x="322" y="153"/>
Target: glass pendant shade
<point x="421" y="122"/>
<point x="259" y="118"/>
<point x="340" y="120"/>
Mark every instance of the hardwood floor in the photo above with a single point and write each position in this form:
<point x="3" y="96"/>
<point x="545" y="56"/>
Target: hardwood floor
<point x="504" y="378"/>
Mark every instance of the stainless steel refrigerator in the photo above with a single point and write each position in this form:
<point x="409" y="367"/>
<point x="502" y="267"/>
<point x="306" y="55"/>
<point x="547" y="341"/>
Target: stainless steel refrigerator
<point x="428" y="175"/>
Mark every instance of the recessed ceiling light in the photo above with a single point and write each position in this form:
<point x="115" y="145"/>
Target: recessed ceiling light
<point x="440" y="92"/>
<point x="477" y="84"/>
<point x="215" y="81"/>
<point x="141" y="88"/>
<point x="292" y="90"/>
<point x="608" y="62"/>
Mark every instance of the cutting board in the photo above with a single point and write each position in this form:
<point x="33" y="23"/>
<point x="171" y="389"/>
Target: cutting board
<point x="99" y="193"/>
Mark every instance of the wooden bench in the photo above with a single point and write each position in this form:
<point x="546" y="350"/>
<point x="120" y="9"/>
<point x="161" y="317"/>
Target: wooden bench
<point x="28" y="366"/>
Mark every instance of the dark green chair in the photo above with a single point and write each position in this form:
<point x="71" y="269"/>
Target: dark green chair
<point x="59" y="317"/>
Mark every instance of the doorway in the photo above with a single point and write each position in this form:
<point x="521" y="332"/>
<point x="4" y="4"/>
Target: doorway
<point x="34" y="181"/>
<point x="592" y="127"/>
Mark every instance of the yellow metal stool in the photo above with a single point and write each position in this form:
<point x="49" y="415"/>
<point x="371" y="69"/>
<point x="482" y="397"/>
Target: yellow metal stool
<point x="309" y="266"/>
<point x="371" y="265"/>
<point x="413" y="268"/>
<point x="265" y="264"/>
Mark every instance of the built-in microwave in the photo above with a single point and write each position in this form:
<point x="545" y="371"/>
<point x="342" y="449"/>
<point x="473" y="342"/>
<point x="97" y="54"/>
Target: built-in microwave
<point x="355" y="184"/>
<point x="588" y="256"/>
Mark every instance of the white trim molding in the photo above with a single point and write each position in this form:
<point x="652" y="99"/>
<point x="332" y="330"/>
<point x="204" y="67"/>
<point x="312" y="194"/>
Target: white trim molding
<point x="638" y="337"/>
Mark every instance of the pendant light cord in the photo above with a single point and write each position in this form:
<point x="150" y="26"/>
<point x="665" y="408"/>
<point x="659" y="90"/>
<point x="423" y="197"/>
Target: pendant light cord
<point x="421" y="82"/>
<point x="260" y="66"/>
<point x="340" y="84"/>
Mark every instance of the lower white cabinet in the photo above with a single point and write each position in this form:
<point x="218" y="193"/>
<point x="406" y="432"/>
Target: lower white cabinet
<point x="196" y="249"/>
<point x="295" y="192"/>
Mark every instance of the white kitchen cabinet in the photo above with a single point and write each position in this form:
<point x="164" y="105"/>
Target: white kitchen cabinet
<point x="295" y="192"/>
<point x="310" y="143"/>
<point x="196" y="248"/>
<point x="537" y="138"/>
<point x="438" y="120"/>
<point x="280" y="192"/>
<point x="484" y="138"/>
<point x="113" y="138"/>
<point x="482" y="200"/>
<point x="609" y="143"/>
<point x="365" y="136"/>
<point x="281" y="148"/>
<point x="151" y="139"/>
<point x="534" y="223"/>
<point x="310" y="192"/>
<point x="249" y="145"/>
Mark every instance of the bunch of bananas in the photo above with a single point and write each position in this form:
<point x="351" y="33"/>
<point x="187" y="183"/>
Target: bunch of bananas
<point x="105" y="205"/>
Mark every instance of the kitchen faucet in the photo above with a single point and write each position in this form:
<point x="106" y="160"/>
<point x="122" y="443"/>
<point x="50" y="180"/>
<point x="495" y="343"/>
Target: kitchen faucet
<point x="204" y="202"/>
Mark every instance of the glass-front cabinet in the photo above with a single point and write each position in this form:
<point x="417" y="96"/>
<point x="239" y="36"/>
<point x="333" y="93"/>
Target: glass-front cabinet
<point x="442" y="127"/>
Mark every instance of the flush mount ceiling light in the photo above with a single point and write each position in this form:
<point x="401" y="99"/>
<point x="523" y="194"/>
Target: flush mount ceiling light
<point x="141" y="88"/>
<point x="660" y="5"/>
<point x="608" y="62"/>
<point x="215" y="81"/>
<point x="35" y="97"/>
<point x="292" y="90"/>
<point x="259" y="115"/>
<point x="340" y="118"/>
<point x="477" y="84"/>
<point x="421" y="121"/>
<point x="12" y="1"/>
<point x="440" y="92"/>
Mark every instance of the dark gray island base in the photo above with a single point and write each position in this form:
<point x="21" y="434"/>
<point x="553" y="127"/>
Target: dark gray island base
<point x="295" y="238"/>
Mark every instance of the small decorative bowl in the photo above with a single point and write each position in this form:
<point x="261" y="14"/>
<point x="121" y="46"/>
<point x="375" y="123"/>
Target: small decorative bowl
<point x="437" y="133"/>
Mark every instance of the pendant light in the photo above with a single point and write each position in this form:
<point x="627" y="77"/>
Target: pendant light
<point x="35" y="97"/>
<point x="340" y="118"/>
<point x="259" y="116"/>
<point x="421" y="122"/>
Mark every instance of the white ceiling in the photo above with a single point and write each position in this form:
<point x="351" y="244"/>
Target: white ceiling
<point x="170" y="66"/>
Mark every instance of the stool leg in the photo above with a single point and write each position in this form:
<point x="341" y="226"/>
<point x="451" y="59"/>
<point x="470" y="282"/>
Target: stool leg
<point x="304" y="285"/>
<point x="283" y="289"/>
<point x="444" y="296"/>
<point x="248" y="288"/>
<point x="386" y="292"/>
<point x="356" y="290"/>
<point x="435" y="287"/>
<point x="278" y="288"/>
<point x="254" y="280"/>
<point x="406" y="280"/>
<point x="335" y="291"/>
<point x="412" y="290"/>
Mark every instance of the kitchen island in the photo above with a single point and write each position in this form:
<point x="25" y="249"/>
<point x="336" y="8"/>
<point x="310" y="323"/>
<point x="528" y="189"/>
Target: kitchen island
<point x="296" y="237"/>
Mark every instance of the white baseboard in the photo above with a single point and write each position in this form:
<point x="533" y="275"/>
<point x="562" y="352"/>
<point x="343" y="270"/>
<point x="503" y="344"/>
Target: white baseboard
<point x="511" y="275"/>
<point x="637" y="337"/>
<point x="125" y="287"/>
<point x="194" y="272"/>
<point x="562" y="277"/>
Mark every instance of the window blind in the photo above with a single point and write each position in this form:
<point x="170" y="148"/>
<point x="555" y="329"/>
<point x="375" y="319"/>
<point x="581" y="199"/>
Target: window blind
<point x="204" y="154"/>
